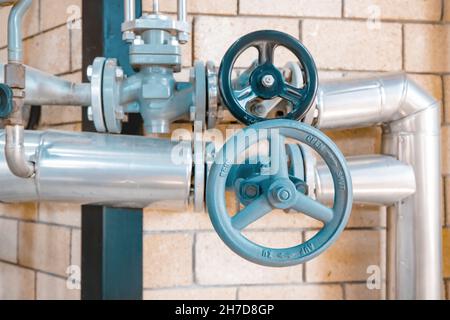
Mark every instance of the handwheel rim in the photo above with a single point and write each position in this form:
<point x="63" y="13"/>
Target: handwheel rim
<point x="307" y="250"/>
<point x="281" y="39"/>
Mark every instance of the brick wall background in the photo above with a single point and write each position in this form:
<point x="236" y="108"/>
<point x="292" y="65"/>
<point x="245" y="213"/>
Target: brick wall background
<point x="183" y="257"/>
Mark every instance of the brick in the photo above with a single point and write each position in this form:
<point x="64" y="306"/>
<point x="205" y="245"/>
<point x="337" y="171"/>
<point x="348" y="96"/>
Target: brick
<point x="357" y="141"/>
<point x="447" y="200"/>
<point x="8" y="240"/>
<point x="419" y="41"/>
<point x="30" y="25"/>
<point x="424" y="10"/>
<point x="23" y="211"/>
<point x="446" y="250"/>
<point x="361" y="292"/>
<point x="3" y="60"/>
<point x="75" y="251"/>
<point x="57" y="115"/>
<point x="53" y="288"/>
<point x="63" y="127"/>
<point x="351" y="45"/>
<point x="44" y="247"/>
<point x="302" y="292"/>
<point x="448" y="289"/>
<point x="366" y="216"/>
<point x="76" y="48"/>
<point x="348" y="258"/>
<point x="293" y="8"/>
<point x="432" y="84"/>
<point x="167" y="260"/>
<point x="446" y="11"/>
<point x="16" y="283"/>
<point x="171" y="220"/>
<point x="209" y="46"/>
<point x="216" y="264"/>
<point x="445" y="145"/>
<point x="191" y="294"/>
<point x="59" y="12"/>
<point x="166" y="220"/>
<point x="446" y="99"/>
<point x="55" y="44"/>
<point x="60" y="213"/>
<point x="197" y="6"/>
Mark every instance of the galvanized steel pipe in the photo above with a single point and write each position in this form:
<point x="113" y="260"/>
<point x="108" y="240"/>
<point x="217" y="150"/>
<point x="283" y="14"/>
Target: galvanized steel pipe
<point x="92" y="168"/>
<point x="411" y="123"/>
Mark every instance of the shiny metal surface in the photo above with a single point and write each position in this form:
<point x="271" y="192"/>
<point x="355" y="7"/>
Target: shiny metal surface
<point x="130" y="10"/>
<point x="15" y="46"/>
<point x="14" y="150"/>
<point x="377" y="179"/>
<point x="91" y="168"/>
<point x="46" y="89"/>
<point x="411" y="123"/>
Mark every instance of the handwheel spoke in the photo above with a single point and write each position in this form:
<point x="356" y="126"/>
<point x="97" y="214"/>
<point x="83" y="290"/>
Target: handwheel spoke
<point x="245" y="95"/>
<point x="254" y="211"/>
<point x="266" y="52"/>
<point x="313" y="208"/>
<point x="292" y="93"/>
<point x="278" y="156"/>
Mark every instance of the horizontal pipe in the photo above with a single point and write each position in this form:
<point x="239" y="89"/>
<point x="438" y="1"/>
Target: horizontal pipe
<point x="377" y="179"/>
<point x="45" y="89"/>
<point x="91" y="168"/>
<point x="368" y="102"/>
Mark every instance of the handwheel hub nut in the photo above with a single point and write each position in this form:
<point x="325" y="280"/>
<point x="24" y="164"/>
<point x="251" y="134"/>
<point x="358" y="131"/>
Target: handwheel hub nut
<point x="282" y="194"/>
<point x="268" y="81"/>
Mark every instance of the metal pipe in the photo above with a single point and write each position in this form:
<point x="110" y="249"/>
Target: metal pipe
<point x="15" y="50"/>
<point x="155" y="6"/>
<point x="91" y="168"/>
<point x="182" y="11"/>
<point x="15" y="156"/>
<point x="45" y="89"/>
<point x="377" y="180"/>
<point x="130" y="10"/>
<point x="411" y="125"/>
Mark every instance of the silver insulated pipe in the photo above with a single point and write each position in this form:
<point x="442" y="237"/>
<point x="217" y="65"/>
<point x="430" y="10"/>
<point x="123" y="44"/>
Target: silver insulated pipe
<point x="410" y="119"/>
<point x="91" y="168"/>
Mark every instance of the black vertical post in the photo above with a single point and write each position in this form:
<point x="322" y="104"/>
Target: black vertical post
<point x="111" y="256"/>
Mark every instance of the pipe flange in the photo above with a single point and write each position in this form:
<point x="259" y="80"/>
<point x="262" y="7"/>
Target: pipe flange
<point x="113" y="76"/>
<point x="213" y="95"/>
<point x="199" y="144"/>
<point x="95" y="75"/>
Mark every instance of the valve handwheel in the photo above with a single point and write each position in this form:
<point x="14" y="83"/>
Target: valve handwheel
<point x="266" y="80"/>
<point x="274" y="189"/>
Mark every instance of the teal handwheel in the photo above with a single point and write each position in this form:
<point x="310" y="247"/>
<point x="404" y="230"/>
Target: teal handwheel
<point x="266" y="81"/>
<point x="273" y="189"/>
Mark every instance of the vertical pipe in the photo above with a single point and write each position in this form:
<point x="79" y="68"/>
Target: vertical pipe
<point x="155" y="6"/>
<point x="15" y="50"/>
<point x="414" y="228"/>
<point x="130" y="10"/>
<point x="182" y="11"/>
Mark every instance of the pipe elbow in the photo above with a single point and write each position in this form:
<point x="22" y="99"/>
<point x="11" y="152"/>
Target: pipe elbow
<point x="16" y="158"/>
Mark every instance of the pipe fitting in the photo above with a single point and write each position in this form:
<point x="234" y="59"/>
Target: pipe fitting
<point x="15" y="152"/>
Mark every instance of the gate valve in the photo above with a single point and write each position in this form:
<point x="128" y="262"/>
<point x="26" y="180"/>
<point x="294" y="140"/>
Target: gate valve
<point x="6" y="100"/>
<point x="265" y="80"/>
<point x="273" y="186"/>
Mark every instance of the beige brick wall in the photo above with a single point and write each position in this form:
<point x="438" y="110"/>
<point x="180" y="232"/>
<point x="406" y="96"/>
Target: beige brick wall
<point x="183" y="257"/>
